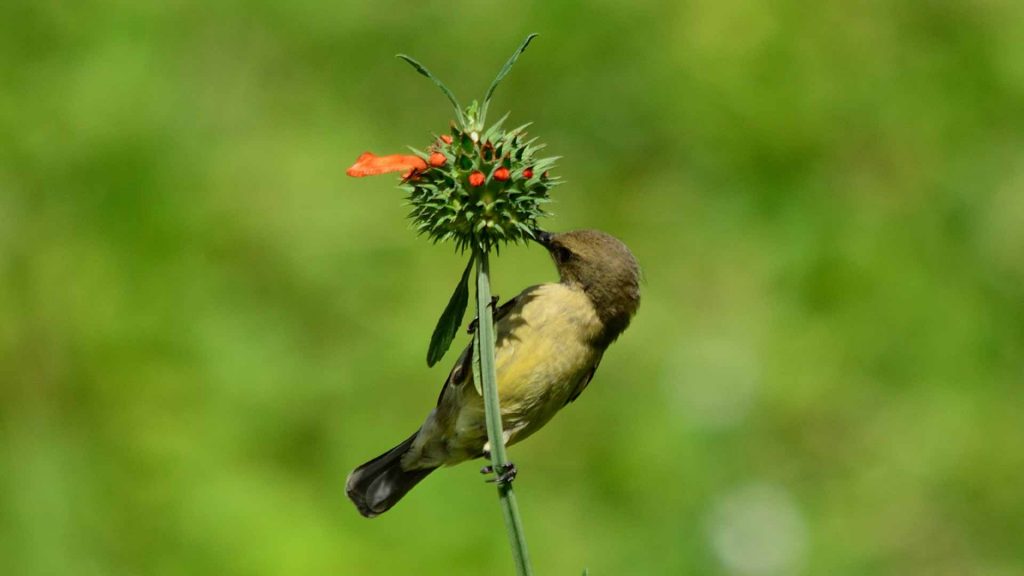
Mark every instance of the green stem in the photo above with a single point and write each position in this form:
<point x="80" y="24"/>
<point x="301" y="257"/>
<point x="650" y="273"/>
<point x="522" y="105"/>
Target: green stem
<point x="484" y="355"/>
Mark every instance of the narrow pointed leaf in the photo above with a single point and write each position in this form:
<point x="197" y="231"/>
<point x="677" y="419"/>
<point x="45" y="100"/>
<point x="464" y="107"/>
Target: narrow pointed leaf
<point x="504" y="72"/>
<point x="495" y="128"/>
<point x="423" y="70"/>
<point x="450" y="320"/>
<point x="418" y="152"/>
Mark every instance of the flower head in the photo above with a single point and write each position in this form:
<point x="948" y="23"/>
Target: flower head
<point x="449" y="192"/>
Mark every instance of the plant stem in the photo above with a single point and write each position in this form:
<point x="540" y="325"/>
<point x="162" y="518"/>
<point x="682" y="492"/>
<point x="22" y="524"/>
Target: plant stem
<point x="484" y="343"/>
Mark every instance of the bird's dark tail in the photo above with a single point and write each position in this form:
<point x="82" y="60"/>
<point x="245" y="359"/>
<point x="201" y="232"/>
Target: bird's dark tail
<point x="379" y="484"/>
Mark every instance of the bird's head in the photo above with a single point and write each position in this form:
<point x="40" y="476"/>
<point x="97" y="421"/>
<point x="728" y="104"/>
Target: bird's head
<point x="603" y="267"/>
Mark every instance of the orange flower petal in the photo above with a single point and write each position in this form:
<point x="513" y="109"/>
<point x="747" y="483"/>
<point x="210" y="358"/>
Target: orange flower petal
<point x="369" y="164"/>
<point x="437" y="159"/>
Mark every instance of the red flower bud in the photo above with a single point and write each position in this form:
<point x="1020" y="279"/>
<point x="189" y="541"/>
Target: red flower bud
<point x="476" y="178"/>
<point x="446" y="138"/>
<point x="501" y="174"/>
<point x="528" y="173"/>
<point x="369" y="164"/>
<point x="437" y="159"/>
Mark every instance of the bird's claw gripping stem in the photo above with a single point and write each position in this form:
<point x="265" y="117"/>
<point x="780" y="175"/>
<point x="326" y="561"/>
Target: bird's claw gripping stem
<point x="506" y="473"/>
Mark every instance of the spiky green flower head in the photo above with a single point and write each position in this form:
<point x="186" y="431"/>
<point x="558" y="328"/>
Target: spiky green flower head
<point x="481" y="189"/>
<point x="482" y="186"/>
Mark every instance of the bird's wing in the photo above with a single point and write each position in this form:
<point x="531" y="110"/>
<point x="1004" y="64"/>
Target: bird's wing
<point x="463" y="366"/>
<point x="461" y="370"/>
<point x="505" y="308"/>
<point x="499" y="313"/>
<point x="582" y="385"/>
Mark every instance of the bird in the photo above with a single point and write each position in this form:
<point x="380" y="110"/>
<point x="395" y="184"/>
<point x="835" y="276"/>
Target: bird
<point x="549" y="341"/>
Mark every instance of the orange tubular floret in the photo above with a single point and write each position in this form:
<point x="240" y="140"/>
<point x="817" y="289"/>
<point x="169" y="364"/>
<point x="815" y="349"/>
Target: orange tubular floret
<point x="369" y="164"/>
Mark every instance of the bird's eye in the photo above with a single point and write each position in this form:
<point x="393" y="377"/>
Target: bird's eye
<point x="562" y="254"/>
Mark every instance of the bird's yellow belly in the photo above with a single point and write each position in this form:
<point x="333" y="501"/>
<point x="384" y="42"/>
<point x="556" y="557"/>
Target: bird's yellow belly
<point x="542" y="354"/>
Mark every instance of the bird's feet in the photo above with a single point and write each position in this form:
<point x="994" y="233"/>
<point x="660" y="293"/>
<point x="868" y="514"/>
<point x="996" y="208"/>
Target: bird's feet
<point x="506" y="473"/>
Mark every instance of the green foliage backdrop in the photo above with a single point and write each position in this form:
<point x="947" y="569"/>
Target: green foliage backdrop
<point x="204" y="325"/>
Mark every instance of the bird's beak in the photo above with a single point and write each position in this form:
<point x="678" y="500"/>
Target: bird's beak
<point x="543" y="238"/>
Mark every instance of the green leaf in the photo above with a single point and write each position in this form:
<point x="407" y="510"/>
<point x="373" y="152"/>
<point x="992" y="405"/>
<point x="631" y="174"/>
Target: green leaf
<point x="502" y="73"/>
<point x="545" y="164"/>
<point x="418" y="152"/>
<point x="492" y="132"/>
<point x="423" y="70"/>
<point x="471" y="113"/>
<point x="519" y="130"/>
<point x="450" y="320"/>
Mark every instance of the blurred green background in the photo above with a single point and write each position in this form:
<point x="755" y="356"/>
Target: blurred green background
<point x="204" y="325"/>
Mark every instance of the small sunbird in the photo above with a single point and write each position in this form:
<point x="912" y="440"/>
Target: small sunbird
<point x="549" y="341"/>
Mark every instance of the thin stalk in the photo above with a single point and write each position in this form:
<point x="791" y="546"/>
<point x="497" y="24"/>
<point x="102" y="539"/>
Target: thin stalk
<point x="484" y="355"/>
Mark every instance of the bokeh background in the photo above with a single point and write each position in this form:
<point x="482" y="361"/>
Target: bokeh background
<point x="204" y="325"/>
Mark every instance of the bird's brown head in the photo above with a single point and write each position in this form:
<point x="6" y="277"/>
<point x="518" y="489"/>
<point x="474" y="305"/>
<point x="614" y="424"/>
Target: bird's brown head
<point x="604" y="268"/>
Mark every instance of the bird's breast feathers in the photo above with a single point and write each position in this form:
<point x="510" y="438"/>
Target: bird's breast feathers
<point x="544" y="354"/>
<point x="544" y="350"/>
